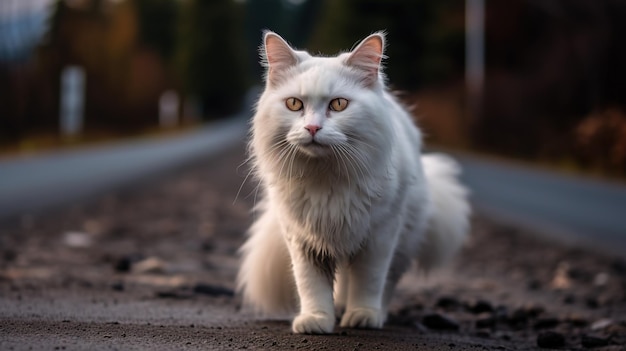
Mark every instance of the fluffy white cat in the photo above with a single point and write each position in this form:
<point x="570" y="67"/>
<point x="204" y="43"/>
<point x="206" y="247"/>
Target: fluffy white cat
<point x="348" y="200"/>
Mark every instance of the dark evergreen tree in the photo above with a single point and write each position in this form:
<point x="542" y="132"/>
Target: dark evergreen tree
<point x="212" y="54"/>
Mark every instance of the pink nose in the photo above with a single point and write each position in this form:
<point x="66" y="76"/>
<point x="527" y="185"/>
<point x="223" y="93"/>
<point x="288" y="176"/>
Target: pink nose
<point x="312" y="128"/>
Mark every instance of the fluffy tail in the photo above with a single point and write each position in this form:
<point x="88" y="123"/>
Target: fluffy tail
<point x="265" y="278"/>
<point x="448" y="223"/>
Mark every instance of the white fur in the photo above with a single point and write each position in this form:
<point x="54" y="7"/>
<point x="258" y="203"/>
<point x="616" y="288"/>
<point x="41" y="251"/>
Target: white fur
<point x="358" y="205"/>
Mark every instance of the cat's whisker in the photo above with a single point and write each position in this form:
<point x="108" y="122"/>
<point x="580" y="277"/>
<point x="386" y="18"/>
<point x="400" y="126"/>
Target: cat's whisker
<point x="283" y="157"/>
<point x="242" y="184"/>
<point x="341" y="157"/>
<point x="357" y="162"/>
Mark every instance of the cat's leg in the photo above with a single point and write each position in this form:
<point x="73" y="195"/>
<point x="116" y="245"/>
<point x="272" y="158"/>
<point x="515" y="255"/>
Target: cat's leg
<point x="314" y="282"/>
<point x="341" y="288"/>
<point x="367" y="281"/>
<point x="401" y="262"/>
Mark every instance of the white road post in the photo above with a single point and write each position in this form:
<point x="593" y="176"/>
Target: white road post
<point x="72" y="100"/>
<point x="168" y="109"/>
<point x="475" y="54"/>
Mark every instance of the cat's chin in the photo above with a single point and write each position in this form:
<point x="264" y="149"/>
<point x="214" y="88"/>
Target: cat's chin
<point x="315" y="149"/>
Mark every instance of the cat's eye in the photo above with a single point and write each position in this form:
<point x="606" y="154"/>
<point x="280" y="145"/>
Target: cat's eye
<point x="294" y="104"/>
<point x="338" y="104"/>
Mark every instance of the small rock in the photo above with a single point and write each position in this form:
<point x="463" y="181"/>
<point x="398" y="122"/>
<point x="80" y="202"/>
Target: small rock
<point x="123" y="265"/>
<point x="440" y="322"/>
<point x="546" y="323"/>
<point x="550" y="340"/>
<point x="534" y="284"/>
<point x="619" y="266"/>
<point x="118" y="286"/>
<point x="601" y="279"/>
<point x="569" y="299"/>
<point x="420" y="327"/>
<point x="577" y="321"/>
<point x="592" y="302"/>
<point x="9" y="255"/>
<point x="534" y="310"/>
<point x="501" y="312"/>
<point x="212" y="290"/>
<point x="486" y="322"/>
<point x="448" y="302"/>
<point x="601" y="324"/>
<point x="481" y="306"/>
<point x="561" y="279"/>
<point x="519" y="318"/>
<point x="174" y="294"/>
<point x="589" y="341"/>
<point x="77" y="240"/>
<point x="149" y="265"/>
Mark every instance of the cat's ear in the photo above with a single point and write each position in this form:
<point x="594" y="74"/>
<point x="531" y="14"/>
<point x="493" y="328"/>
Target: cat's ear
<point x="367" y="56"/>
<point x="278" y="55"/>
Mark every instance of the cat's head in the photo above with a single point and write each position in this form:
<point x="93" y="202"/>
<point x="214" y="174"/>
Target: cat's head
<point x="318" y="106"/>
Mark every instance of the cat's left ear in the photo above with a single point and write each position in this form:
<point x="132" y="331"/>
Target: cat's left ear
<point x="368" y="55"/>
<point x="279" y="56"/>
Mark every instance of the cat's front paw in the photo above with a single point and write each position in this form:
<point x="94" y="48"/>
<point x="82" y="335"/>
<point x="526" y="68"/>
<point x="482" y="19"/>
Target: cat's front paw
<point x="314" y="323"/>
<point x="363" y="318"/>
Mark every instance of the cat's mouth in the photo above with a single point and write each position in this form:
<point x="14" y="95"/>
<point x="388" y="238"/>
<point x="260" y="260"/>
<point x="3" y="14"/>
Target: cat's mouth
<point x="315" y="148"/>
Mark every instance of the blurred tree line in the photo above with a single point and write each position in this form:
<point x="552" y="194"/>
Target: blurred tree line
<point x="554" y="88"/>
<point x="556" y="83"/>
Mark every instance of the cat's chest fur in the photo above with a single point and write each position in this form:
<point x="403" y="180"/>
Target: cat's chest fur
<point x="327" y="216"/>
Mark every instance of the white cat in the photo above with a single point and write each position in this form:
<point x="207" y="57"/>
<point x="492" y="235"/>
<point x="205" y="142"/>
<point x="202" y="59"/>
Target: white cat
<point x="348" y="200"/>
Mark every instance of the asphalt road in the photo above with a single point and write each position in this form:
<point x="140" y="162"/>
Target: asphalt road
<point x="44" y="181"/>
<point x="578" y="210"/>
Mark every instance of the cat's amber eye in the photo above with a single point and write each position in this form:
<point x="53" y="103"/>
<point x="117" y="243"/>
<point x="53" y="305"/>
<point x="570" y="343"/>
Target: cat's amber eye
<point x="294" y="104"/>
<point x="338" y="104"/>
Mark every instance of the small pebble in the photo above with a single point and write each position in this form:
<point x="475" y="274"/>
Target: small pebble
<point x="440" y="322"/>
<point x="592" y="302"/>
<point x="589" y="341"/>
<point x="212" y="290"/>
<point x="577" y="321"/>
<point x="601" y="324"/>
<point x="569" y="299"/>
<point x="546" y="323"/>
<point x="518" y="318"/>
<point x="601" y="279"/>
<point x="481" y="306"/>
<point x="619" y="266"/>
<point x="150" y="265"/>
<point x="79" y="240"/>
<point x="448" y="302"/>
<point x="123" y="265"/>
<point x="173" y="294"/>
<point x="550" y="339"/>
<point x="534" y="284"/>
<point x="486" y="322"/>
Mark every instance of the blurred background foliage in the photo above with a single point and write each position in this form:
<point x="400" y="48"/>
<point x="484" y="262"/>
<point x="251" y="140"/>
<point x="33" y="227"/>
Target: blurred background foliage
<point x="555" y="78"/>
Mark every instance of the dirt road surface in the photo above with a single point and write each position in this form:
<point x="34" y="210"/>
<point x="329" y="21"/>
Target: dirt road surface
<point x="152" y="268"/>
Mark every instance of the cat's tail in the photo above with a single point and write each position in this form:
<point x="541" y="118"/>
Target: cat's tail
<point x="265" y="278"/>
<point x="448" y="223"/>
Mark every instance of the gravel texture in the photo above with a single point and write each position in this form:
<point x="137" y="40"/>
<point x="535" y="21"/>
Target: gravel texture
<point x="153" y="267"/>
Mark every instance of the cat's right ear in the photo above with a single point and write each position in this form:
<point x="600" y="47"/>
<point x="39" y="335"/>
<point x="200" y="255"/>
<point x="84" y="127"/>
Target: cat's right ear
<point x="278" y="55"/>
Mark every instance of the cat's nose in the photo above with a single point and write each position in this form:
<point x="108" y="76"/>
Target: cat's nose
<point x="312" y="128"/>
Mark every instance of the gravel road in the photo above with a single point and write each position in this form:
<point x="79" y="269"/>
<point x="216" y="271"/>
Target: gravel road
<point x="152" y="268"/>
